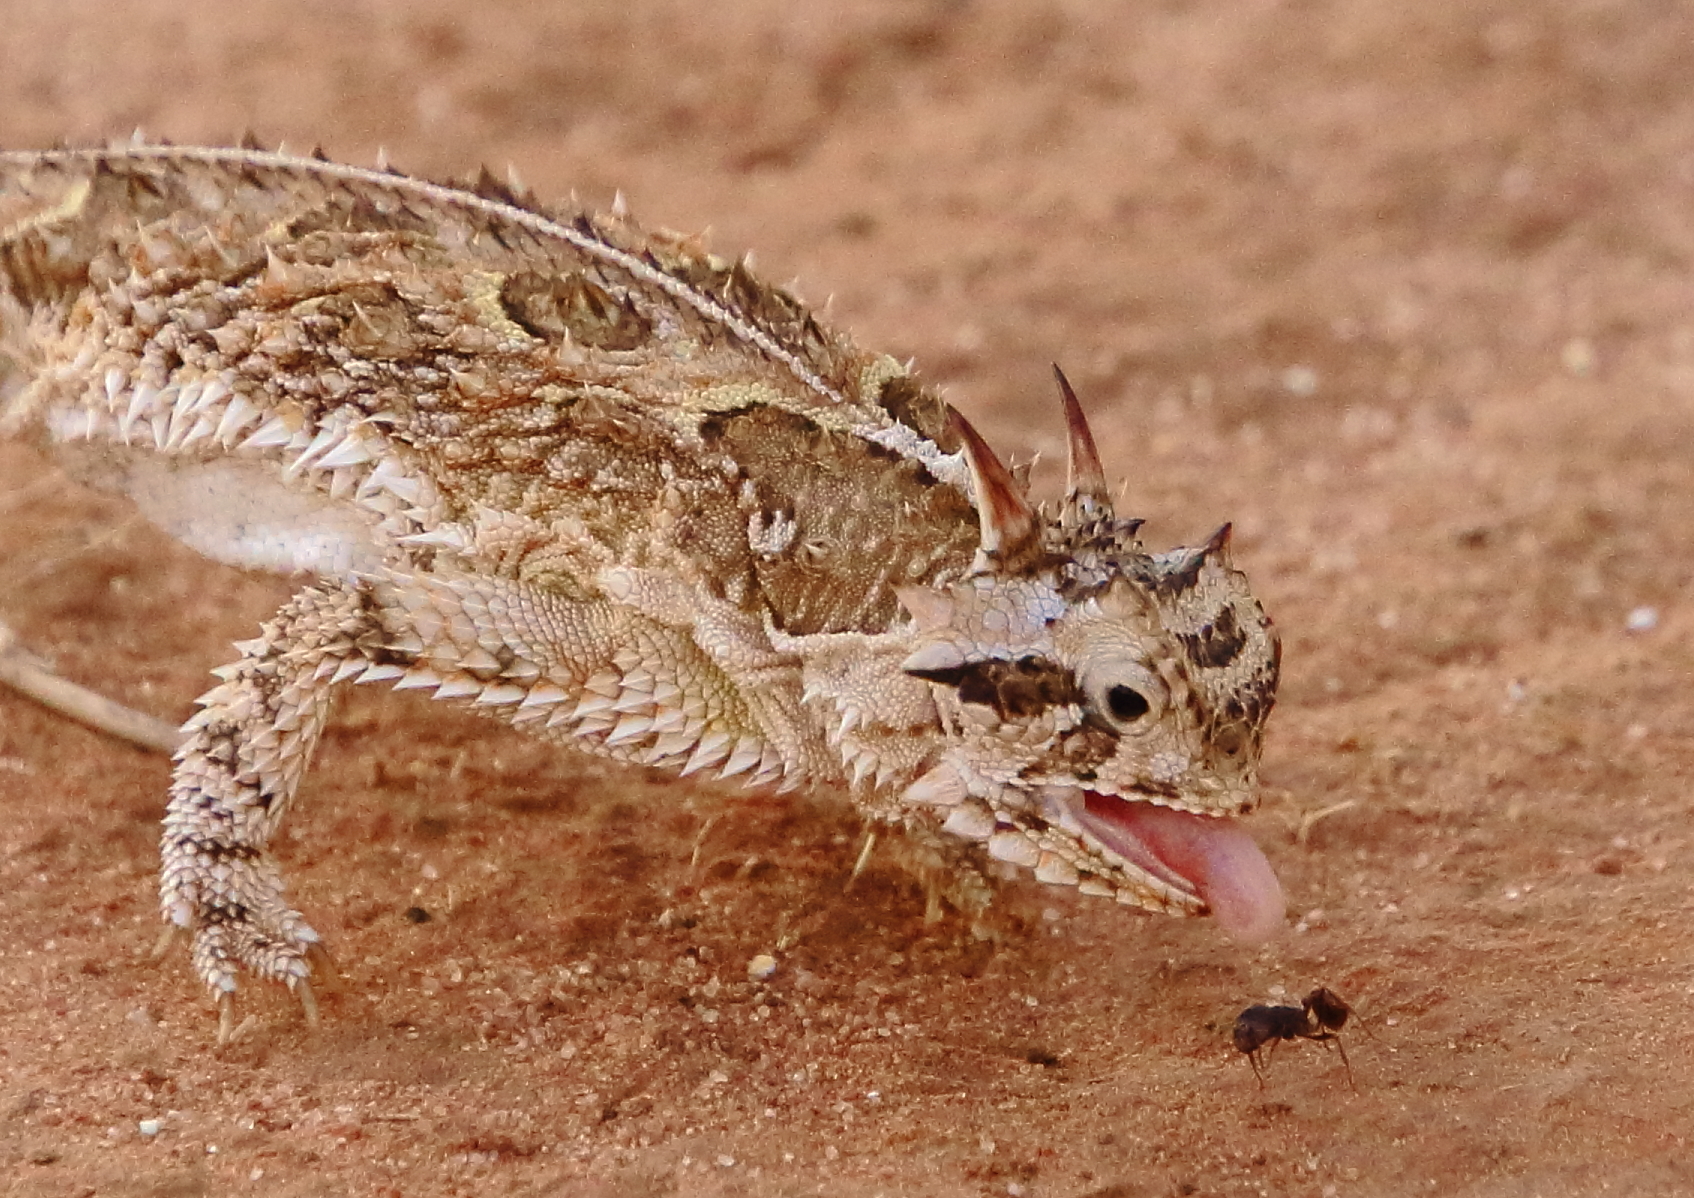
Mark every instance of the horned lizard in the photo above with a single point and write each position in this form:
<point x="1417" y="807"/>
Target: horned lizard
<point x="607" y="486"/>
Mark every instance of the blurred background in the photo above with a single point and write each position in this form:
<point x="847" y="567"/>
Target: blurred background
<point x="1404" y="291"/>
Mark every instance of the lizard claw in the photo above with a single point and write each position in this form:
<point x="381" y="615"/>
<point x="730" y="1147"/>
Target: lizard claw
<point x="230" y="1031"/>
<point x="308" y="1002"/>
<point x="166" y="939"/>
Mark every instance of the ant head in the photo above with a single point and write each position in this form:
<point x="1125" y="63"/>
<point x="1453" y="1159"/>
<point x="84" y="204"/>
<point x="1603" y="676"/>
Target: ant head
<point x="1328" y="1008"/>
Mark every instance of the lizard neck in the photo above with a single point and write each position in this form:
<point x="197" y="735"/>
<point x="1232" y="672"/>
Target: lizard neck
<point x="881" y="722"/>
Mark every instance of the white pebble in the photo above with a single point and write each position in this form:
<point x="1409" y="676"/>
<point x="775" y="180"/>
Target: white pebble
<point x="148" y="1127"/>
<point x="761" y="967"/>
<point x="1642" y="619"/>
<point x="1300" y="380"/>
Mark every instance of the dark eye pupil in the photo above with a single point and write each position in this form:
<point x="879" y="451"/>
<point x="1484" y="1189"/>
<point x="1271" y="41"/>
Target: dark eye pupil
<point x="1126" y="703"/>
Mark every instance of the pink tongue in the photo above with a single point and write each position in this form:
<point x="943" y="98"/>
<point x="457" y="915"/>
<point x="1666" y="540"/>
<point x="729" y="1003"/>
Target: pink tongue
<point x="1214" y="855"/>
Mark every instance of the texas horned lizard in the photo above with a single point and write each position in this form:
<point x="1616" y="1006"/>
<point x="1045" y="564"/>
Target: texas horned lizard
<point x="617" y="491"/>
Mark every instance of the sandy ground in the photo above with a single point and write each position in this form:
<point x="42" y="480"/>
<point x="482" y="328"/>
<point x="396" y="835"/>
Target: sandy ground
<point x="1403" y="290"/>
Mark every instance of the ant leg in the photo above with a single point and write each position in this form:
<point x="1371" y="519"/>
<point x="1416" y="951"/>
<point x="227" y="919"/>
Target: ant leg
<point x="1345" y="1064"/>
<point x="1328" y="1038"/>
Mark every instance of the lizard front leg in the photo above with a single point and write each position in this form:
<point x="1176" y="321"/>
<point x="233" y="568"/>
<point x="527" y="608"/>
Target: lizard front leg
<point x="245" y="753"/>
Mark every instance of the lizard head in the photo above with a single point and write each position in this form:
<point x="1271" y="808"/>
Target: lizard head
<point x="1102" y="707"/>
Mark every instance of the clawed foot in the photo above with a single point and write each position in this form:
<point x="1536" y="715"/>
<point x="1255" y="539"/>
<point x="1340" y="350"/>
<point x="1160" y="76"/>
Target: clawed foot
<point x="230" y="1031"/>
<point x="218" y="946"/>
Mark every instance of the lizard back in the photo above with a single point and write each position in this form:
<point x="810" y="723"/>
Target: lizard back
<point x="475" y="353"/>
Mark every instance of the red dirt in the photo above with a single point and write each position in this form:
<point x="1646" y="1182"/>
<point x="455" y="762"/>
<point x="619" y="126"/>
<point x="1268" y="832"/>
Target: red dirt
<point x="1403" y="290"/>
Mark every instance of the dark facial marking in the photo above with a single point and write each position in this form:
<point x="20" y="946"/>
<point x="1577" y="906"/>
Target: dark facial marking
<point x="1017" y="689"/>
<point x="1217" y="644"/>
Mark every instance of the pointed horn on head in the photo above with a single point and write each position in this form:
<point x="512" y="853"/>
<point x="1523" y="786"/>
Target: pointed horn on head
<point x="1086" y="482"/>
<point x="1182" y="573"/>
<point x="1010" y="529"/>
<point x="1217" y="547"/>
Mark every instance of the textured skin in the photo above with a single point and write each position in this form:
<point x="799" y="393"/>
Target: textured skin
<point x="606" y="486"/>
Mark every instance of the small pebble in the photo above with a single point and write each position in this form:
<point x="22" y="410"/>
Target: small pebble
<point x="1642" y="619"/>
<point x="1578" y="356"/>
<point x="148" y="1127"/>
<point x="1300" y="380"/>
<point x="761" y="967"/>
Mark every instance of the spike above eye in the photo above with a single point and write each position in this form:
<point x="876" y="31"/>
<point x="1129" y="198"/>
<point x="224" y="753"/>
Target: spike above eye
<point x="1011" y="531"/>
<point x="1085" y="486"/>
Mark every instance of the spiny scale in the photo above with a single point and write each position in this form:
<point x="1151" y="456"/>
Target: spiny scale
<point x="605" y="485"/>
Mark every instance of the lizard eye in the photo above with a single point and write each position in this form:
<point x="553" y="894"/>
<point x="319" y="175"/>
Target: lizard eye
<point x="1124" y="693"/>
<point x="1127" y="704"/>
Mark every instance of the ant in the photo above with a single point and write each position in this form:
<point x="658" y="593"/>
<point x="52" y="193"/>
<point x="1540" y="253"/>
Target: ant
<point x="1320" y="1016"/>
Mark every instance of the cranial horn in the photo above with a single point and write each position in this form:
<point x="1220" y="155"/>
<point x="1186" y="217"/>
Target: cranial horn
<point x="1179" y="574"/>
<point x="1217" y="547"/>
<point x="1010" y="529"/>
<point x="1086" y="495"/>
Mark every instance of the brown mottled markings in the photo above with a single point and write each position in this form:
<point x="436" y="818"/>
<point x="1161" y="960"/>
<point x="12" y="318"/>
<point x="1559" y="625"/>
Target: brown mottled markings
<point x="571" y="304"/>
<point x="912" y="405"/>
<point x="343" y="213"/>
<point x="1173" y="582"/>
<point x="1232" y="739"/>
<point x="1017" y="689"/>
<point x="1217" y="644"/>
<point x="1250" y="705"/>
<point x="376" y="323"/>
<point x="837" y="573"/>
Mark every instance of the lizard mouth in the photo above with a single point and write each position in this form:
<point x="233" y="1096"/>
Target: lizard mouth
<point x="1211" y="857"/>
